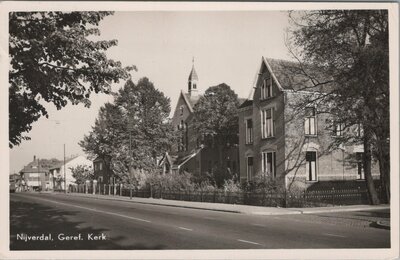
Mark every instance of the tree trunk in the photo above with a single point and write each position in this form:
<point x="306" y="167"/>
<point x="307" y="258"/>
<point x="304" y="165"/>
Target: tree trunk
<point x="384" y="168"/>
<point x="373" y="196"/>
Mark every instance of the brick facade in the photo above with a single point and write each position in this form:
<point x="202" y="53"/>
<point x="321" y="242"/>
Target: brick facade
<point x="291" y="150"/>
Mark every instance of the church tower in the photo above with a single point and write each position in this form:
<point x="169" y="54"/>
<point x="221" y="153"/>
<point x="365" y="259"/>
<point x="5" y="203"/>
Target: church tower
<point x="193" y="81"/>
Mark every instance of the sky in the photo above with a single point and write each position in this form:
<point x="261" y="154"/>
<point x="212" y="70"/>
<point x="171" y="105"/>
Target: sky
<point x="227" y="47"/>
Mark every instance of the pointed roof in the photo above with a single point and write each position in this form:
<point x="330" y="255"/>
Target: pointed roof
<point x="291" y="75"/>
<point x="193" y="74"/>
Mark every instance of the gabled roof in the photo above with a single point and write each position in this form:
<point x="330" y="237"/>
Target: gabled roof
<point x="246" y="103"/>
<point x="190" y="100"/>
<point x="59" y="165"/>
<point x="39" y="165"/>
<point x="181" y="161"/>
<point x="166" y="158"/>
<point x="291" y="75"/>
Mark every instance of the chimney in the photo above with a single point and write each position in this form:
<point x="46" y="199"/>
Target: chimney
<point x="34" y="158"/>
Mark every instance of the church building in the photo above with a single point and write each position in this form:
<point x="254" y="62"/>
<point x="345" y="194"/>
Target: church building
<point x="192" y="152"/>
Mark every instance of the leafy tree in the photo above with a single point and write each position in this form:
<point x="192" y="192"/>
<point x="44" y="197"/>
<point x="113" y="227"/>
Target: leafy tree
<point x="133" y="131"/>
<point x="351" y="48"/>
<point x="82" y="173"/>
<point x="53" y="60"/>
<point x="215" y="117"/>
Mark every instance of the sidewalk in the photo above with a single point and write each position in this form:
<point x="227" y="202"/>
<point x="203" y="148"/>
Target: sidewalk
<point x="233" y="208"/>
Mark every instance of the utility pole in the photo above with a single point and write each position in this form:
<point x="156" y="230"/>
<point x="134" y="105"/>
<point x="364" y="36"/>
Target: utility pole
<point x="65" y="174"/>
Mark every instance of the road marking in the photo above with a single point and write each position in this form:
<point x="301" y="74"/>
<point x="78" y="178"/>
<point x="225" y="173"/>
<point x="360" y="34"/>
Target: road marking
<point x="97" y="210"/>
<point x="258" y="225"/>
<point x="332" y="235"/>
<point x="249" y="242"/>
<point x="209" y="218"/>
<point x="188" y="229"/>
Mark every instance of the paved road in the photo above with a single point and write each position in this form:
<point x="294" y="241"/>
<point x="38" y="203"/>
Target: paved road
<point x="127" y="225"/>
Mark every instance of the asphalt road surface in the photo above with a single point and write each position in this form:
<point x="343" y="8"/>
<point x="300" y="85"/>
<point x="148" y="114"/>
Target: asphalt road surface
<point x="86" y="223"/>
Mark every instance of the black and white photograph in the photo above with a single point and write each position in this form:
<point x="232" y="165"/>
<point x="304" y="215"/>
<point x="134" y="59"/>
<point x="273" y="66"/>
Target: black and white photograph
<point x="200" y="130"/>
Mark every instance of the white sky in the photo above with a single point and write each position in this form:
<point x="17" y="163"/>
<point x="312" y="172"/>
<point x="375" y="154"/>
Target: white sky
<point x="227" y="47"/>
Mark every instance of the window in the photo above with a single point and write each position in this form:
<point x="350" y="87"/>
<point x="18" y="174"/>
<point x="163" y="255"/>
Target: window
<point x="311" y="166"/>
<point x="359" y="131"/>
<point x="338" y="129"/>
<point x="181" y="110"/>
<point x="186" y="137"/>
<point x="180" y="144"/>
<point x="101" y="179"/>
<point x="309" y="122"/>
<point x="194" y="86"/>
<point x="269" y="163"/>
<point x="266" y="88"/>
<point x="360" y="166"/>
<point x="100" y="166"/>
<point x="267" y="123"/>
<point x="249" y="168"/>
<point x="249" y="131"/>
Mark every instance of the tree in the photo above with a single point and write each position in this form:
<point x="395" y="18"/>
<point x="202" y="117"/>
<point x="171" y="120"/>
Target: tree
<point x="215" y="118"/>
<point x="53" y="60"/>
<point x="351" y="48"/>
<point x="133" y="131"/>
<point x="82" y="173"/>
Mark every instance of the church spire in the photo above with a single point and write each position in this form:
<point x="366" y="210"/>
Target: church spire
<point x="192" y="81"/>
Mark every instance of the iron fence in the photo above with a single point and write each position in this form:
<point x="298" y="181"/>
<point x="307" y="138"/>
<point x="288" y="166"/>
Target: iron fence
<point x="307" y="198"/>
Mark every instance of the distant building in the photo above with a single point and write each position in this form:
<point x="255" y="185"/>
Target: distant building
<point x="56" y="175"/>
<point x="15" y="182"/>
<point x="35" y="175"/>
<point x="102" y="172"/>
<point x="289" y="144"/>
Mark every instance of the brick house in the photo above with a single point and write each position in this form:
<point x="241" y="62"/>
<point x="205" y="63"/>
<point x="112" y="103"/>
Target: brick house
<point x="194" y="153"/>
<point x="287" y="143"/>
<point x="101" y="170"/>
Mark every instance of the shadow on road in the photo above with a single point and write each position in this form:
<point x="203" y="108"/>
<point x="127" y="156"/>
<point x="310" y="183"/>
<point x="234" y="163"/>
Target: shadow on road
<point x="36" y="219"/>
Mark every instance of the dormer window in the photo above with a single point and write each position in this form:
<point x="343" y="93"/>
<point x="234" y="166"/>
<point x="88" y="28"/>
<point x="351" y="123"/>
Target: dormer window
<point x="266" y="88"/>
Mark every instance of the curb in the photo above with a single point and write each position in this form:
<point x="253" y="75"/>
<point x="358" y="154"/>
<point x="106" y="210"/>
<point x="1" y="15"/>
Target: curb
<point x="158" y="204"/>
<point x="294" y="211"/>
<point x="333" y="210"/>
